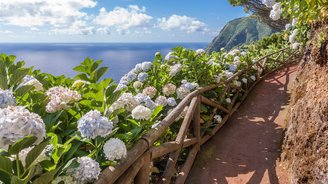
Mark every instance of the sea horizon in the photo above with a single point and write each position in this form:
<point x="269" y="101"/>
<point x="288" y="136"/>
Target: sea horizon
<point x="59" y="58"/>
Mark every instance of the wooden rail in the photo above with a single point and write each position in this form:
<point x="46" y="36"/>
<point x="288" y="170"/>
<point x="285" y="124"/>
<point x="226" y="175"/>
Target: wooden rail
<point x="136" y="168"/>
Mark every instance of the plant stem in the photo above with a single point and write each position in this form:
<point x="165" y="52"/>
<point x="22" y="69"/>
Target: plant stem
<point x="17" y="165"/>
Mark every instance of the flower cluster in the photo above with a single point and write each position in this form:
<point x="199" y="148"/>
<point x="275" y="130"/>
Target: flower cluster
<point x="16" y="122"/>
<point x="141" y="113"/>
<point x="218" y="118"/>
<point x="150" y="91"/>
<point x="161" y="100"/>
<point x="268" y="3"/>
<point x="175" y="69"/>
<point x="6" y="98"/>
<point x="115" y="149"/>
<point x="60" y="98"/>
<point x="169" y="89"/>
<point x="182" y="92"/>
<point x="29" y="80"/>
<point x="169" y="56"/>
<point x="92" y="124"/>
<point x="276" y="11"/>
<point x="87" y="171"/>
<point x="126" y="101"/>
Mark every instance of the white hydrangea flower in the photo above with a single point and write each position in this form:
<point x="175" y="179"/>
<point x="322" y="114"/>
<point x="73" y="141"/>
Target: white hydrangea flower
<point x="157" y="54"/>
<point x="237" y="84"/>
<point x="292" y="37"/>
<point x="169" y="56"/>
<point x="145" y="100"/>
<point x="171" y="102"/>
<point x="287" y="26"/>
<point x="234" y="52"/>
<point x="146" y="65"/>
<point x="92" y="124"/>
<point x="16" y="122"/>
<point x="268" y="3"/>
<point x="126" y="101"/>
<point x="29" y="80"/>
<point x="218" y="118"/>
<point x="243" y="53"/>
<point x="141" y="113"/>
<point x="115" y="149"/>
<point x="276" y="11"/>
<point x="137" y="85"/>
<point x="200" y="51"/>
<point x="244" y="80"/>
<point x="138" y="67"/>
<point x="228" y="100"/>
<point x="60" y="98"/>
<point x="6" y="98"/>
<point x="169" y="89"/>
<point x="161" y="100"/>
<point x="23" y="154"/>
<point x="64" y="179"/>
<point x="175" y="69"/>
<point x="253" y="78"/>
<point x="295" y="45"/>
<point x="182" y="92"/>
<point x="87" y="172"/>
<point x="150" y="91"/>
<point x="228" y="74"/>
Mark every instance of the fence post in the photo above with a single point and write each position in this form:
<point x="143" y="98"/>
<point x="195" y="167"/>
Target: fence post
<point x="143" y="174"/>
<point x="197" y="122"/>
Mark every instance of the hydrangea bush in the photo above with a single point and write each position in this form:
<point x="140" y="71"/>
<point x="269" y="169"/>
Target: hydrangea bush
<point x="57" y="129"/>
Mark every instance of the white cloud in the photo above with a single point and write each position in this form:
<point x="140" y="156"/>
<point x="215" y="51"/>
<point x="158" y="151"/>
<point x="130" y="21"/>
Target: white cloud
<point x="5" y="32"/>
<point x="123" y="18"/>
<point x="33" y="13"/>
<point x="184" y="23"/>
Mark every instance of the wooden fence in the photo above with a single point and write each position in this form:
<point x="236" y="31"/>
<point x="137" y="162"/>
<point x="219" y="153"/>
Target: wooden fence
<point x="136" y="168"/>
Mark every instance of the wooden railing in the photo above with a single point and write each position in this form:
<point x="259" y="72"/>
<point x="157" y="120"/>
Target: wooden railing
<point x="136" y="168"/>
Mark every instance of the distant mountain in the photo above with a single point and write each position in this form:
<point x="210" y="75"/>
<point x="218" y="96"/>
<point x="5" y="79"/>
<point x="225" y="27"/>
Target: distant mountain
<point x="240" y="31"/>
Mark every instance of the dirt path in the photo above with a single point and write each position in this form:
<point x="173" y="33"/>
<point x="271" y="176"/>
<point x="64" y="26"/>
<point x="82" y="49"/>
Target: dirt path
<point x="248" y="147"/>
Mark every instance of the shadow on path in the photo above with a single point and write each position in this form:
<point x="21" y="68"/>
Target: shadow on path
<point x="247" y="148"/>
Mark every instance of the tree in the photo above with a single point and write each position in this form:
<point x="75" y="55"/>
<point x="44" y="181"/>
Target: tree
<point x="261" y="11"/>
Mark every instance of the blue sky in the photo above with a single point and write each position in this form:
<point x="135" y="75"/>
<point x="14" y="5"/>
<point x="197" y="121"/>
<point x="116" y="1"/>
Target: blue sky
<point x="114" y="20"/>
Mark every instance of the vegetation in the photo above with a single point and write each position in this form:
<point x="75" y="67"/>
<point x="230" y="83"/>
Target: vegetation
<point x="262" y="12"/>
<point x="56" y="129"/>
<point x="240" y="31"/>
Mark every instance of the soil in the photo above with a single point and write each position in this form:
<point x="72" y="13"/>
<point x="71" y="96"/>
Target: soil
<point x="248" y="148"/>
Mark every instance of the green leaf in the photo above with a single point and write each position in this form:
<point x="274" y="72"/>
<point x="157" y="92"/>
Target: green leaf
<point x="21" y="91"/>
<point x="100" y="72"/>
<point x="156" y="111"/>
<point x="80" y="68"/>
<point x="3" y="82"/>
<point x="34" y="153"/>
<point x="4" y="177"/>
<point x="6" y="165"/>
<point x="18" y="75"/>
<point x="22" y="144"/>
<point x="45" y="178"/>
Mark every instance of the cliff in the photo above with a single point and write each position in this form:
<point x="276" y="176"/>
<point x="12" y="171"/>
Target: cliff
<point x="240" y="31"/>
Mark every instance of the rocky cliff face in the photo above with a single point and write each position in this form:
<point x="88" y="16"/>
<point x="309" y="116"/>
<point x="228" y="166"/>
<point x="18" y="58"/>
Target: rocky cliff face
<point x="240" y="31"/>
<point x="306" y="142"/>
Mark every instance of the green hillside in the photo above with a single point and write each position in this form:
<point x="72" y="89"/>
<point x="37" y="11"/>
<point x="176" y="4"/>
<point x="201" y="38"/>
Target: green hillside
<point x="240" y="31"/>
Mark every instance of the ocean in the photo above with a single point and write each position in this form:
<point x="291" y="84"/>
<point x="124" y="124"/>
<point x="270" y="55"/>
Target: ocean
<point x="61" y="58"/>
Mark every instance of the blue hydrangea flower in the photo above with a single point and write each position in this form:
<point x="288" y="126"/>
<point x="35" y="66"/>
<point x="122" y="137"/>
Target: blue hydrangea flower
<point x="171" y="102"/>
<point x="92" y="124"/>
<point x="142" y="76"/>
